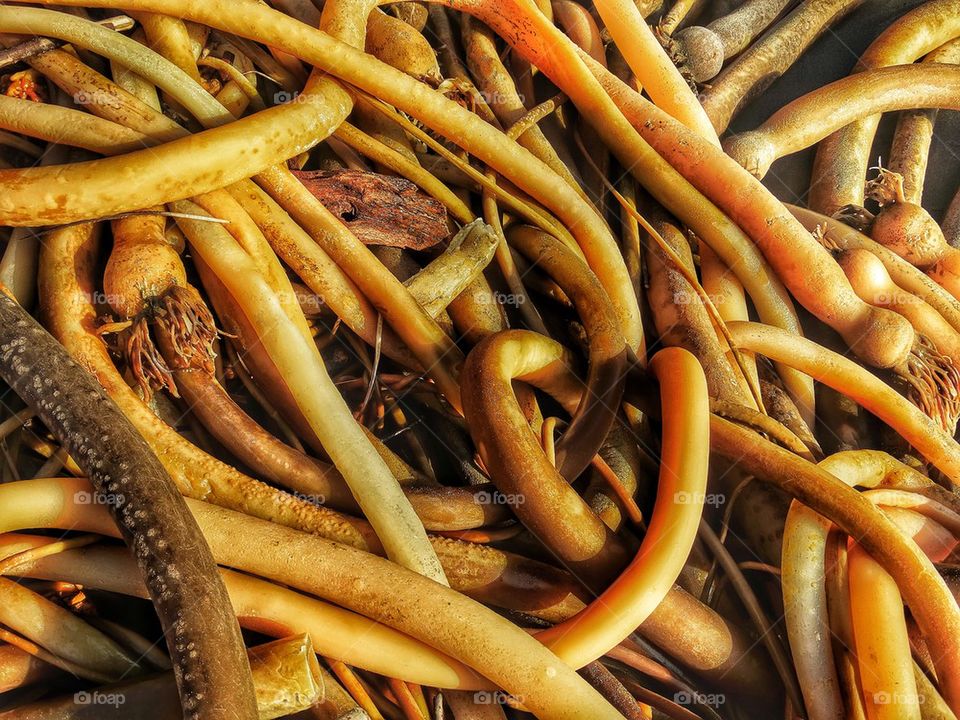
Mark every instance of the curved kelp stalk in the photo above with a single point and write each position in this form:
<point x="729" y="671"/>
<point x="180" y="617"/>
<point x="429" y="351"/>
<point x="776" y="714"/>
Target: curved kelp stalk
<point x="209" y="659"/>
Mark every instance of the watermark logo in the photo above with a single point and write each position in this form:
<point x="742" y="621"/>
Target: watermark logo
<point x="284" y="97"/>
<point x="498" y="498"/>
<point x="495" y="697"/>
<point x="315" y="499"/>
<point x="689" y="297"/>
<point x="685" y="697"/>
<point x="85" y="497"/>
<point x="99" y="698"/>
<point x="94" y="97"/>
<point x="688" y="498"/>
<point x="897" y="698"/>
<point x="503" y="298"/>
<point x="893" y="297"/>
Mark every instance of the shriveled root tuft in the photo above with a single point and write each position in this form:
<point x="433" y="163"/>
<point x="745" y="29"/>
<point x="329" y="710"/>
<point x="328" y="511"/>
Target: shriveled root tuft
<point x="144" y="360"/>
<point x="886" y="188"/>
<point x="856" y="216"/>
<point x="185" y="320"/>
<point x="189" y="324"/>
<point x="933" y="384"/>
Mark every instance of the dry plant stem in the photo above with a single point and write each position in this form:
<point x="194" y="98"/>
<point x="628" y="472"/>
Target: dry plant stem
<point x="607" y="354"/>
<point x="597" y="674"/>
<point x="680" y="317"/>
<point x="21" y="669"/>
<point x="286" y="680"/>
<point x="923" y="589"/>
<point x="71" y="127"/>
<point x="370" y="480"/>
<point x="683" y="479"/>
<point x="880" y="337"/>
<point x="449" y="274"/>
<point x="212" y="673"/>
<point x="62" y="633"/>
<point x="859" y="384"/>
<point x="404" y="600"/>
<point x="769" y="58"/>
<point x="672" y="190"/>
<point x="512" y="453"/>
<point x="432" y="109"/>
<point x="704" y="49"/>
<point x="68" y="259"/>
<point x="880" y="640"/>
<point x="817" y="114"/>
<point x="872" y="283"/>
<point x="652" y="66"/>
<point x="803" y="569"/>
<point x="910" y="147"/>
<point x="843" y="159"/>
<point x="168" y="36"/>
<point x="838" y="235"/>
<point x="499" y="89"/>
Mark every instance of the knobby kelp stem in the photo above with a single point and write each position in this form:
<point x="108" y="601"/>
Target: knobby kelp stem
<point x="512" y="452"/>
<point x="671" y="530"/>
<point x="370" y="480"/>
<point x="607" y="354"/>
<point x="842" y="159"/>
<point x="933" y="606"/>
<point x="812" y="117"/>
<point x="374" y="587"/>
<point x="253" y="20"/>
<point x="846" y="376"/>
<point x="211" y="666"/>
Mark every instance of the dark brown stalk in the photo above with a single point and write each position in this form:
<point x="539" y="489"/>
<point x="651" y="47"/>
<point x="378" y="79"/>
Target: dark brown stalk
<point x="213" y="675"/>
